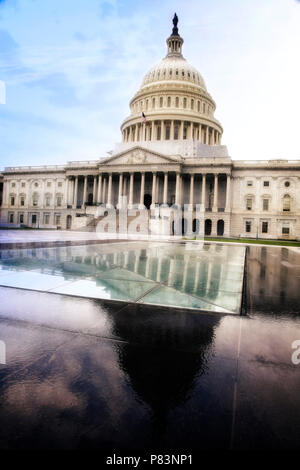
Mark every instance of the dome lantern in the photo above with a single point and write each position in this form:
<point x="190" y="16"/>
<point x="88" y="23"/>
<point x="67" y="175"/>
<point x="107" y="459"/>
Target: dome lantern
<point x="175" y="41"/>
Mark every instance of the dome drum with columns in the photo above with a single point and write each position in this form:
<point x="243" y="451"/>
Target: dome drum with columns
<point x="174" y="99"/>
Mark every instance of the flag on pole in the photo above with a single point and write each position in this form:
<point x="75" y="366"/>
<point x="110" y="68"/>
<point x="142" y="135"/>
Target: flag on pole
<point x="143" y="117"/>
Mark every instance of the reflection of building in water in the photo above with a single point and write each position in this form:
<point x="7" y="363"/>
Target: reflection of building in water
<point x="174" y="156"/>
<point x="205" y="272"/>
<point x="273" y="277"/>
<point x="174" y="349"/>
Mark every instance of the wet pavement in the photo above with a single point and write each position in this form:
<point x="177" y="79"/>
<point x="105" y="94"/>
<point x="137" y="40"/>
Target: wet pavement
<point x="91" y="374"/>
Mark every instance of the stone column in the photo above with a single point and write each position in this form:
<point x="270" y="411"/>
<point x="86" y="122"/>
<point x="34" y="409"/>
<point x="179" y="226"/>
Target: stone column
<point x="192" y="131"/>
<point x="99" y="195"/>
<point x="142" y="188"/>
<point x="75" y="201"/>
<point x="104" y="190"/>
<point x="162" y="137"/>
<point x="152" y="131"/>
<point x="227" y="204"/>
<point x="216" y="192"/>
<point x="165" y="198"/>
<point x="203" y="191"/>
<point x="109" y="189"/>
<point x="181" y="130"/>
<point x="84" y="192"/>
<point x="192" y="191"/>
<point x="172" y="130"/>
<point x="153" y="187"/>
<point x="207" y="135"/>
<point x="94" y="189"/>
<point x="66" y="192"/>
<point x="200" y="133"/>
<point x="4" y="191"/>
<point x="177" y="191"/>
<point x="120" y="188"/>
<point x="131" y="189"/>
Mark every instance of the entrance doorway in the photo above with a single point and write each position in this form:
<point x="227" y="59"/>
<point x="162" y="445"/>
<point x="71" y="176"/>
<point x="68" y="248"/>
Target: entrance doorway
<point x="147" y="200"/>
<point x="207" y="229"/>
<point x="69" y="222"/>
<point x="220" y="227"/>
<point x="33" y="220"/>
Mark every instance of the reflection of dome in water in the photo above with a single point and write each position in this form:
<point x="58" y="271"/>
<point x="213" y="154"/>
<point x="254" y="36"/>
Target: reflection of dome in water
<point x="174" y="348"/>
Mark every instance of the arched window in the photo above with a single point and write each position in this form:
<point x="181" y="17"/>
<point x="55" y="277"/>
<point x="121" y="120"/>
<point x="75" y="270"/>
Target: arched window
<point x="153" y="103"/>
<point x="161" y="101"/>
<point x="146" y="105"/>
<point x="198" y="106"/>
<point x="177" y="102"/>
<point x="192" y="104"/>
<point x="286" y="203"/>
<point x="169" y="101"/>
<point x="203" y="107"/>
<point x="184" y="102"/>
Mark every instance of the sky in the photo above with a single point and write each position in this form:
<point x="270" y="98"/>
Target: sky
<point x="70" y="68"/>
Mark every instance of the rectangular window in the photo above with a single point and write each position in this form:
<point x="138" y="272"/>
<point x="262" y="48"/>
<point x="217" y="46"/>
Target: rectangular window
<point x="265" y="204"/>
<point x="285" y="230"/>
<point x="167" y="132"/>
<point x="46" y="219"/>
<point x="176" y="132"/>
<point x="60" y="184"/>
<point x="12" y="201"/>
<point x="34" y="202"/>
<point x="58" y="201"/>
<point x="249" y="204"/>
<point x="158" y="132"/>
<point x="21" y="218"/>
<point x="248" y="226"/>
<point x="266" y="183"/>
<point x="57" y="219"/>
<point x="47" y="201"/>
<point x="48" y="184"/>
<point x="23" y="185"/>
<point x="22" y="200"/>
<point x="249" y="183"/>
<point x="11" y="218"/>
<point x="264" y="227"/>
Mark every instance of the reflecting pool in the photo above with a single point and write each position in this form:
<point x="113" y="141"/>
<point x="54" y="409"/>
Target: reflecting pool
<point x="207" y="277"/>
<point x="117" y="377"/>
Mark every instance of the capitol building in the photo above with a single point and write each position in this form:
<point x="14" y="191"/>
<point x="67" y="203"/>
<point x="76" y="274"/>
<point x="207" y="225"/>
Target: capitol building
<point x="172" y="154"/>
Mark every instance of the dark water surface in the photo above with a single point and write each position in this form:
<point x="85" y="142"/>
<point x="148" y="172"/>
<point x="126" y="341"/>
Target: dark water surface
<point x="92" y="374"/>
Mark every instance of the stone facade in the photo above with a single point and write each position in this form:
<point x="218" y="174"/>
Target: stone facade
<point x="170" y="153"/>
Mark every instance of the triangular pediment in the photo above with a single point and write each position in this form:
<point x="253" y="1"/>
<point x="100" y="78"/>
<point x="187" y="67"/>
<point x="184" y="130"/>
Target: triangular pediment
<point x="140" y="156"/>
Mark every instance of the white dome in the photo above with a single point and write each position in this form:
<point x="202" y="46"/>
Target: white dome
<point x="172" y="69"/>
